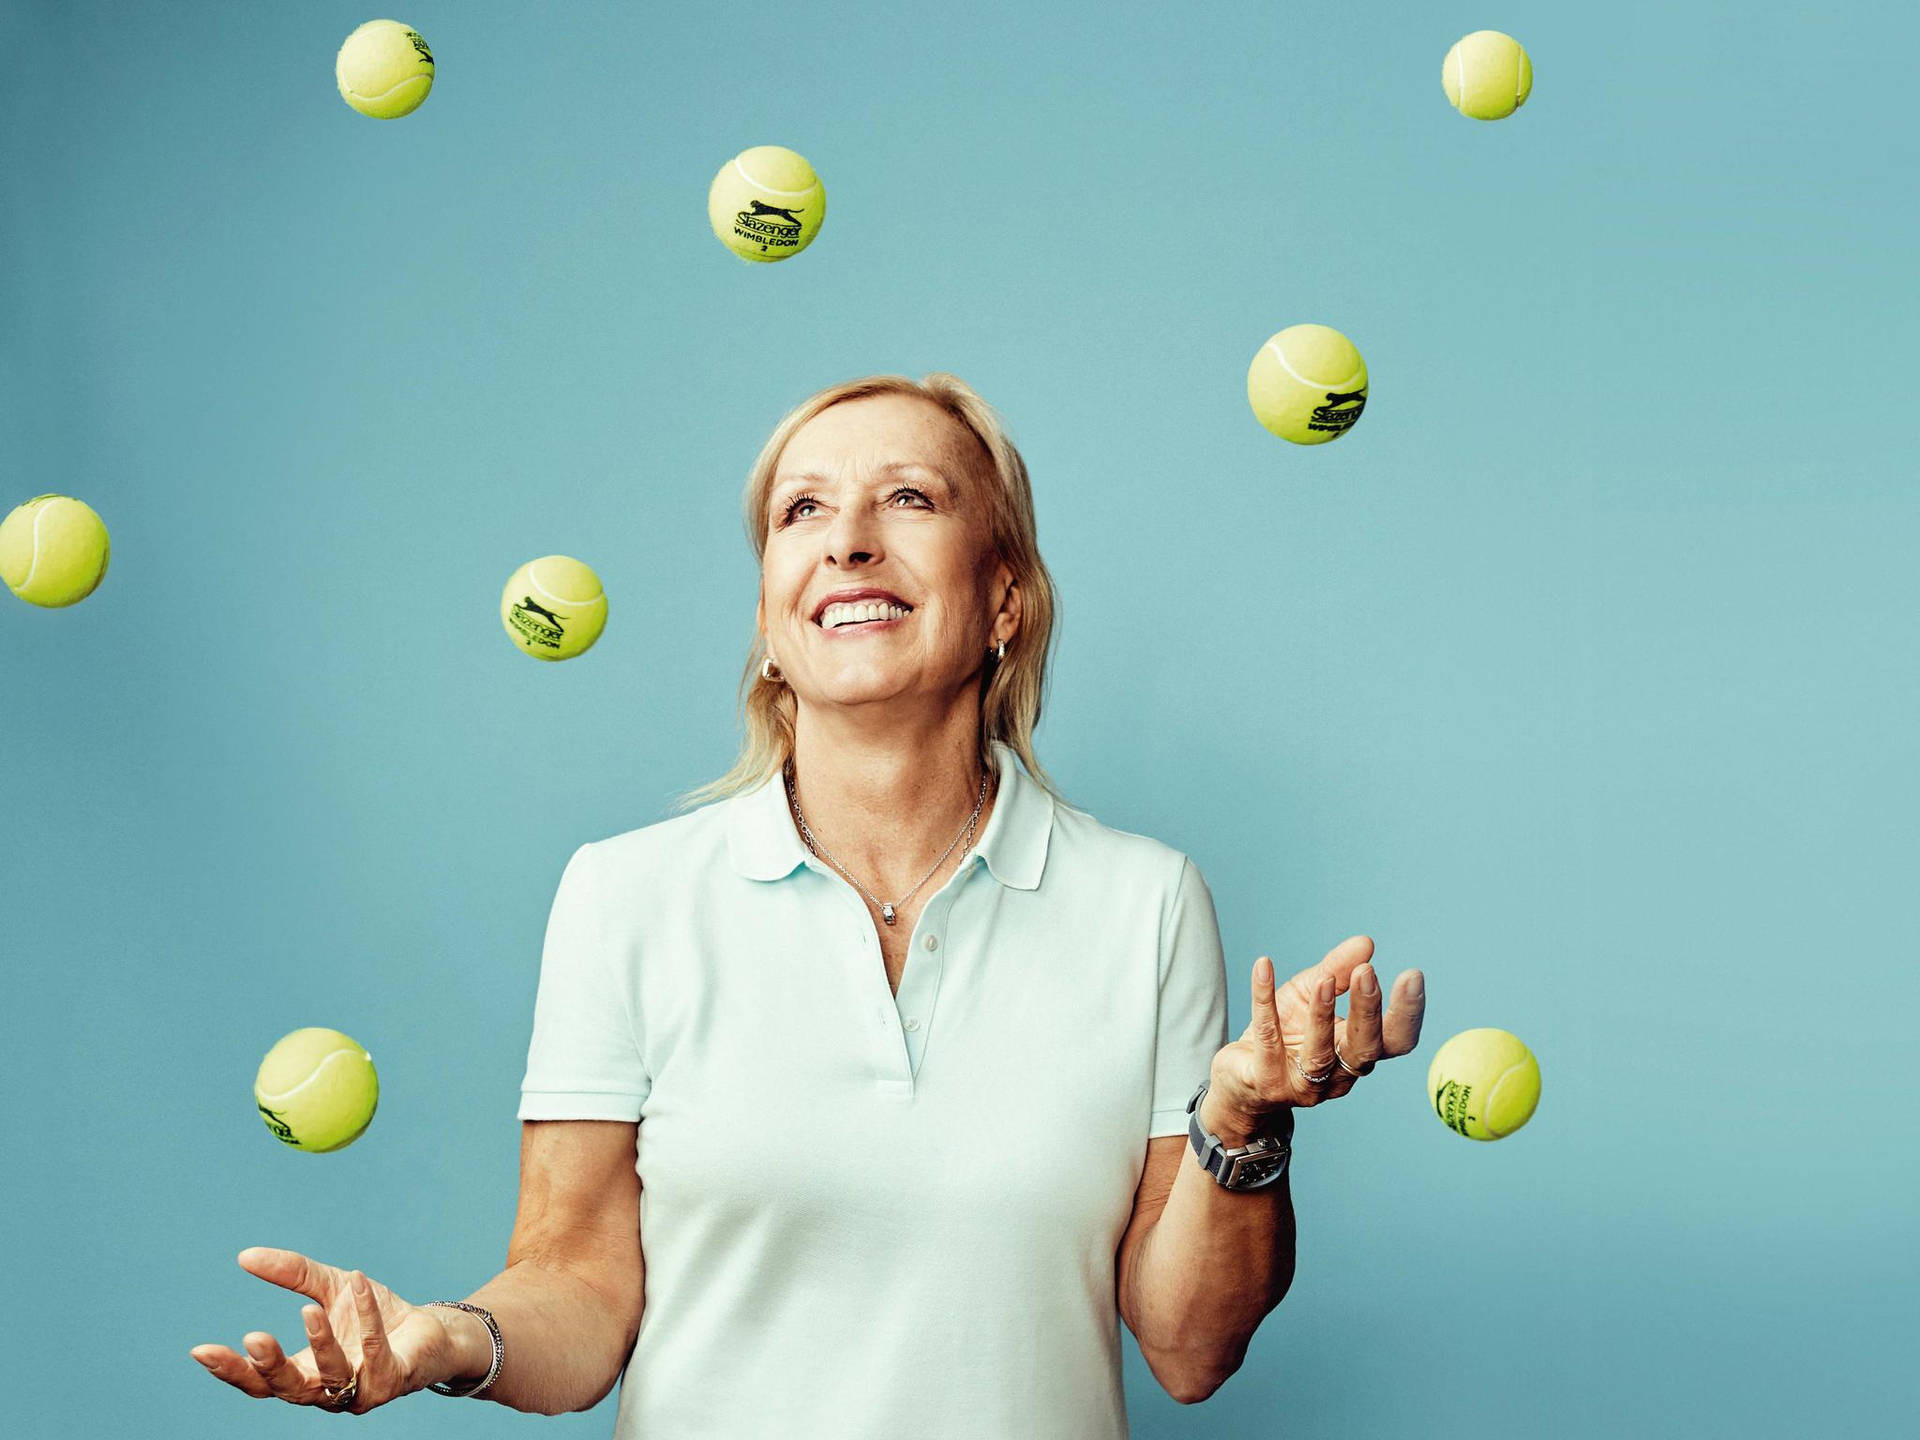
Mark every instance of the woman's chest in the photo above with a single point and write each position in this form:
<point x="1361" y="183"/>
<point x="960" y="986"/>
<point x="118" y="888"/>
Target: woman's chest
<point x="1005" y="1050"/>
<point x="895" y="944"/>
<point x="786" y="980"/>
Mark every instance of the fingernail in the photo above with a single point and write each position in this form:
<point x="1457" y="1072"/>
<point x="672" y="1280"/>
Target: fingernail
<point x="1418" y="984"/>
<point x="1263" y="969"/>
<point x="257" y="1349"/>
<point x="1369" y="981"/>
<point x="1326" y="991"/>
<point x="203" y="1359"/>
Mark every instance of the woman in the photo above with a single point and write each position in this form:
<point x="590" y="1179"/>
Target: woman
<point x="781" y="1200"/>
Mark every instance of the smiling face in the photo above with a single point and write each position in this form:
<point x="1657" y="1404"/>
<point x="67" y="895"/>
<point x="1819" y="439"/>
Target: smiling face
<point x="882" y="493"/>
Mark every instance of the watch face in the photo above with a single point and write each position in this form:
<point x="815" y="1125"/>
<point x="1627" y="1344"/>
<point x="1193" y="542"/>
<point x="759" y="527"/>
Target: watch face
<point x="1251" y="1170"/>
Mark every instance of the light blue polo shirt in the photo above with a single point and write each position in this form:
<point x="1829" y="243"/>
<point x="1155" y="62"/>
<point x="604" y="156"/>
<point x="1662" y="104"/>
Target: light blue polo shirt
<point x="862" y="1214"/>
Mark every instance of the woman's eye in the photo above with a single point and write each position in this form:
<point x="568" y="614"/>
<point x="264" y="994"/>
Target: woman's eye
<point x="793" y="506"/>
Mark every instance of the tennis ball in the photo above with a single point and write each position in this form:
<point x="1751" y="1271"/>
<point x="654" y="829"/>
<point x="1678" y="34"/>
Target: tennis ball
<point x="766" y="203"/>
<point x="1307" y="384"/>
<point x="53" y="551"/>
<point x="384" y="69"/>
<point x="1487" y="75"/>
<point x="317" y="1089"/>
<point x="1484" y="1084"/>
<point x="553" y="607"/>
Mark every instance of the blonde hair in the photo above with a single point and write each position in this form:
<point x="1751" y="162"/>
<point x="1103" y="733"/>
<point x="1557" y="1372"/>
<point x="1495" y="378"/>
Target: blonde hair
<point x="1011" y="690"/>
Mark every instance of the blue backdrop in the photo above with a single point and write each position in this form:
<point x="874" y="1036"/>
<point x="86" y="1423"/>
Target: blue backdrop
<point x="1580" y="674"/>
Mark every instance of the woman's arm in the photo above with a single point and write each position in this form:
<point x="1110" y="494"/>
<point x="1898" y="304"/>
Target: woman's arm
<point x="1217" y="1262"/>
<point x="568" y="1304"/>
<point x="1210" y="1269"/>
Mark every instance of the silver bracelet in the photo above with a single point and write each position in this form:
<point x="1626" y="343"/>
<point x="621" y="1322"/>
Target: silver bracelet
<point x="499" y="1349"/>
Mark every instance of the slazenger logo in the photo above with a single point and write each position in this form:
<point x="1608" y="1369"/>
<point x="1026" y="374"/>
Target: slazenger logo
<point x="767" y="224"/>
<point x="420" y="45"/>
<point x="537" y="624"/>
<point x="1331" y="417"/>
<point x="1450" y="1103"/>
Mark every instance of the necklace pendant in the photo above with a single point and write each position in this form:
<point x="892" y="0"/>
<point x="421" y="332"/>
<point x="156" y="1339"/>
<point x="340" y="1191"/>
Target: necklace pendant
<point x="886" y="913"/>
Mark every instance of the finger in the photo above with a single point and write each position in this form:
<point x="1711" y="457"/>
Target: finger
<point x="1316" y="1050"/>
<point x="1341" y="961"/>
<point x="292" y="1271"/>
<point x="328" y="1358"/>
<point x="1360" y="1038"/>
<point x="283" y="1375"/>
<point x="1401" y="1026"/>
<point x="376" y="1354"/>
<point x="234" y="1368"/>
<point x="1338" y="962"/>
<point x="1266" y="1016"/>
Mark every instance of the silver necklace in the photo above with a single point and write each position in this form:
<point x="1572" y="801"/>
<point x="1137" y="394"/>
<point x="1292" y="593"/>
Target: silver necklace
<point x="886" y="910"/>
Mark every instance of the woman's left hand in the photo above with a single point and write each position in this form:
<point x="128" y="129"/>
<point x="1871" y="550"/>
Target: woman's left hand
<point x="1297" y="1052"/>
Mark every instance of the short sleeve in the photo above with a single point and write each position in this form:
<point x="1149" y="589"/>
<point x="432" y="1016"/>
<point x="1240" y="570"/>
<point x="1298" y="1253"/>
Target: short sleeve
<point x="584" y="1062"/>
<point x="1193" y="1001"/>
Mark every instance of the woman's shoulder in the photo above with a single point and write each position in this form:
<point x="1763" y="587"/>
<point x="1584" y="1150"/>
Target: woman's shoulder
<point x="1114" y="851"/>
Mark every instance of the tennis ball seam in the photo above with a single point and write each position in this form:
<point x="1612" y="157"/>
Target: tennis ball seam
<point x="1281" y="356"/>
<point x="533" y="579"/>
<point x="372" y="99"/>
<point x="772" y="189"/>
<point x="34" y="563"/>
<point x="285" y="1095"/>
<point x="1518" y="1067"/>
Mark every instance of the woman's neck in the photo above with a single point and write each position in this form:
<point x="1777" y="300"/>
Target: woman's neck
<point x="888" y="805"/>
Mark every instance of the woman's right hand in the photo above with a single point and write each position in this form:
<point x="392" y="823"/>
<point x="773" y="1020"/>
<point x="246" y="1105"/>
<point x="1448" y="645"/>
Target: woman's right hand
<point x="358" y="1330"/>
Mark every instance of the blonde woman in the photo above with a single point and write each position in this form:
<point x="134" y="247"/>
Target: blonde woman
<point x="868" y="1095"/>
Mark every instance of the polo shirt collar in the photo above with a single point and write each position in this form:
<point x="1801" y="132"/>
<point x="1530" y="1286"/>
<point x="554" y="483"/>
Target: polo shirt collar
<point x="764" y="844"/>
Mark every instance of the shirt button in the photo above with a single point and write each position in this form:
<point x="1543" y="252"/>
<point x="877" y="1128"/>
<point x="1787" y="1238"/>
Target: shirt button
<point x="932" y="942"/>
<point x="913" y="1024"/>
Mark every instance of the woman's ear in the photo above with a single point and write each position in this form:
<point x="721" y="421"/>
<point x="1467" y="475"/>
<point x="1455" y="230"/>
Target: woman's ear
<point x="1010" y="605"/>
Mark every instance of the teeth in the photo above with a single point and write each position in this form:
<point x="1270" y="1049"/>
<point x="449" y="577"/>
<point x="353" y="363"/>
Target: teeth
<point x="842" y="614"/>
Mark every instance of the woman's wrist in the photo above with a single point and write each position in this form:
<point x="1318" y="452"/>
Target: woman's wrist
<point x="1235" y="1128"/>
<point x="469" y="1344"/>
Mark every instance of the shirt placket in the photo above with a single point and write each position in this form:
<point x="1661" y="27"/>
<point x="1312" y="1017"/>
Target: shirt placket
<point x="901" y="1022"/>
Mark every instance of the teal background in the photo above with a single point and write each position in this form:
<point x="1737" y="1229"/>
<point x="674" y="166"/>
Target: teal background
<point x="1580" y="674"/>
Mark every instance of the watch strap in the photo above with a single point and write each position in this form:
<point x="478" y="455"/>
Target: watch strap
<point x="1254" y="1166"/>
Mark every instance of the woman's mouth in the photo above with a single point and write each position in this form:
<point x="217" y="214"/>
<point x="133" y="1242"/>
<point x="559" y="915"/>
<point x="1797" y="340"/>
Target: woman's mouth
<point x="863" y="627"/>
<point x="862" y="616"/>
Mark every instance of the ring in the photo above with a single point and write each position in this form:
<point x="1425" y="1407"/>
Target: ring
<point x="341" y="1395"/>
<point x="1341" y="1062"/>
<point x="1319" y="1079"/>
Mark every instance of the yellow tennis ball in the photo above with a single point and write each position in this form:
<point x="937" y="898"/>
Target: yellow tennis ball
<point x="384" y="69"/>
<point x="553" y="607"/>
<point x="1487" y="75"/>
<point x="53" y="551"/>
<point x="317" y="1089"/>
<point x="1484" y="1084"/>
<point x="766" y="203"/>
<point x="1307" y="384"/>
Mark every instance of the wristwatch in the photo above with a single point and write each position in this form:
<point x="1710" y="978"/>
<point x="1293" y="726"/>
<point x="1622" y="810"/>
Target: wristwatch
<point x="1252" y="1166"/>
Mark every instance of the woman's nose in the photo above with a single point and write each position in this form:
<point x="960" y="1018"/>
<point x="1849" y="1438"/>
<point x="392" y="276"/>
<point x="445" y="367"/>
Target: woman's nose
<point x="848" y="540"/>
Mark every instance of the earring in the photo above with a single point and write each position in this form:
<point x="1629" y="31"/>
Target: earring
<point x="767" y="669"/>
<point x="1000" y="653"/>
